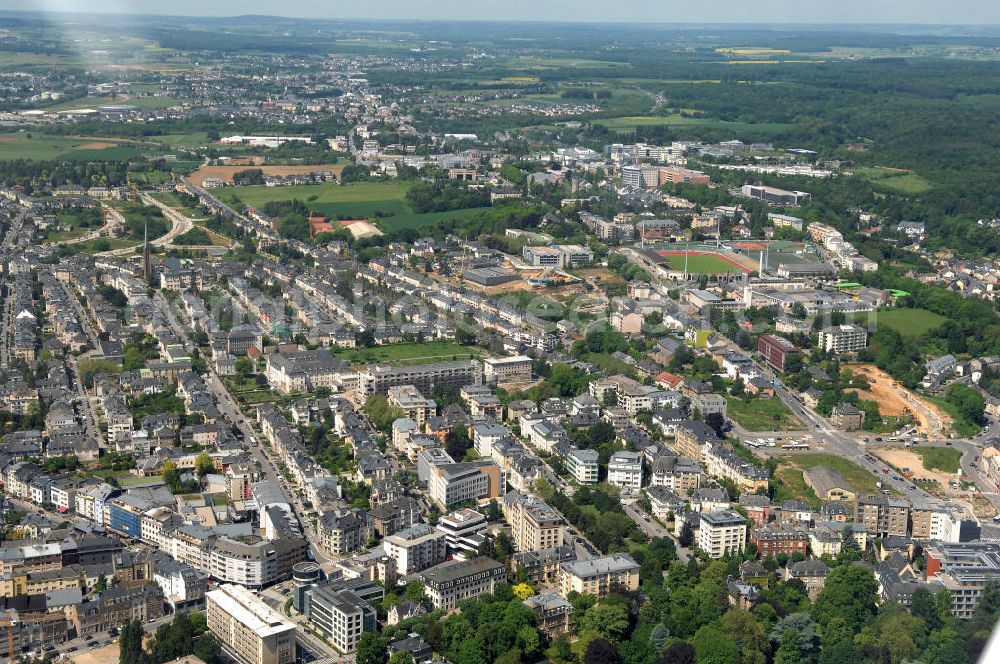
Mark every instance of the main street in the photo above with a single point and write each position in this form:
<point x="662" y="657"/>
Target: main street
<point x="231" y="410"/>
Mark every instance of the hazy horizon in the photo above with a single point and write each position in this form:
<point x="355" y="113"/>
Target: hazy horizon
<point x="804" y="12"/>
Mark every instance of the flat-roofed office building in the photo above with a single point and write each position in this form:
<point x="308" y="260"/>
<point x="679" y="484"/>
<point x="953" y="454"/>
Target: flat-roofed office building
<point x="249" y="630"/>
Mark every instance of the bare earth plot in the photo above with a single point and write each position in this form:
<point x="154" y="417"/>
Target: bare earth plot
<point x="904" y="458"/>
<point x="97" y="655"/>
<point x="895" y="400"/>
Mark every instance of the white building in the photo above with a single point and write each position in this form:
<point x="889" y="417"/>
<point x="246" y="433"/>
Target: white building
<point x="841" y="339"/>
<point x="582" y="465"/>
<point x="416" y="548"/>
<point x="625" y="471"/>
<point x="722" y="533"/>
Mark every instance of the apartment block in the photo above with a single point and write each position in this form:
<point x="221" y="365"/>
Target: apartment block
<point x="842" y="339"/>
<point x="882" y="515"/>
<point x="412" y="403"/>
<point x="722" y="533"/>
<point x="534" y="524"/>
<point x="424" y="377"/>
<point x="582" y="465"/>
<point x="600" y="576"/>
<point x="416" y="548"/>
<point x="625" y="471"/>
<point x="497" y="370"/>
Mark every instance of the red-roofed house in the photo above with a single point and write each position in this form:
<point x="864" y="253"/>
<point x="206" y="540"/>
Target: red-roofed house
<point x="668" y="381"/>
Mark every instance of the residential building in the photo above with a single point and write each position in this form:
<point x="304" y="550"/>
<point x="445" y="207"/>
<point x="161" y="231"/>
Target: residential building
<point x="582" y="465"/>
<point x="600" y="576"/>
<point x="771" y="542"/>
<point x="412" y="404"/>
<point x="842" y="339"/>
<point x="416" y="548"/>
<point x="965" y="570"/>
<point x="553" y="612"/>
<point x="305" y="370"/>
<point x="882" y="515"/>
<point x="534" y="524"/>
<point x="499" y="370"/>
<point x="847" y="417"/>
<point x="425" y="377"/>
<point x="722" y="533"/>
<point x="344" y="530"/>
<point x="625" y="471"/>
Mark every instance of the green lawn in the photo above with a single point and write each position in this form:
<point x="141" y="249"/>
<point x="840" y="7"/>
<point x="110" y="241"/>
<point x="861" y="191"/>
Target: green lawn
<point x="411" y="353"/>
<point x="910" y="322"/>
<point x="895" y="179"/>
<point x="126" y="480"/>
<point x="629" y="123"/>
<point x="42" y="147"/>
<point x="98" y="245"/>
<point x="790" y="484"/>
<point x="945" y="459"/>
<point x="860" y="480"/>
<point x="762" y="415"/>
<point x="962" y="426"/>
<point x="384" y="203"/>
<point x="702" y="264"/>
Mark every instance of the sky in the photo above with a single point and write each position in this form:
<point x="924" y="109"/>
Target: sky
<point x="967" y="12"/>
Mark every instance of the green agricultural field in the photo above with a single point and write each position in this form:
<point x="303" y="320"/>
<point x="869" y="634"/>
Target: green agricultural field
<point x="411" y="353"/>
<point x="910" y="322"/>
<point x="360" y="200"/>
<point x="702" y="264"/>
<point x="531" y="62"/>
<point x="762" y="415"/>
<point x="859" y="479"/>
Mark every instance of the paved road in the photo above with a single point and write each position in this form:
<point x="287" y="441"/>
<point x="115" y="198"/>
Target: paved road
<point x="654" y="529"/>
<point x="230" y="409"/>
<point x="89" y="416"/>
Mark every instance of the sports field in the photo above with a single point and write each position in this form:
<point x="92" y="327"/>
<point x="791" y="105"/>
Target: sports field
<point x="702" y="262"/>
<point x="910" y="322"/>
